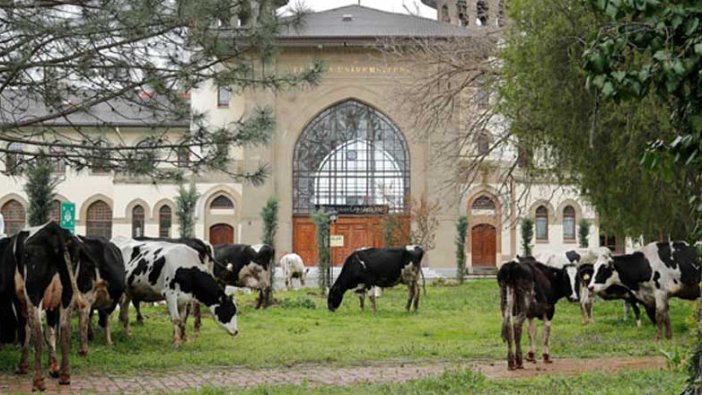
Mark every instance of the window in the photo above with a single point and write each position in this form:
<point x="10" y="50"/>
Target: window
<point x="612" y="242"/>
<point x="183" y="157"/>
<point x="165" y="218"/>
<point x="445" y="14"/>
<point x="55" y="214"/>
<point x="483" y="141"/>
<point x="138" y="221"/>
<point x="223" y="95"/>
<point x="100" y="161"/>
<point x="483" y="203"/>
<point x="58" y="163"/>
<point x="542" y="223"/>
<point x="569" y="223"/>
<point x="99" y="220"/>
<point x="222" y="202"/>
<point x="13" y="160"/>
<point x="14" y="215"/>
<point x="482" y="9"/>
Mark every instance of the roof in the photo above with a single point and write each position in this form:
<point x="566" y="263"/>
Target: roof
<point x="18" y="107"/>
<point x="359" y="22"/>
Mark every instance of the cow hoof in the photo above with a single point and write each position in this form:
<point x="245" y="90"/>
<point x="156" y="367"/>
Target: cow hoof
<point x="54" y="370"/>
<point x="83" y="353"/>
<point x="65" y="379"/>
<point x="22" y="369"/>
<point x="38" y="385"/>
<point x="547" y="358"/>
<point x="530" y="357"/>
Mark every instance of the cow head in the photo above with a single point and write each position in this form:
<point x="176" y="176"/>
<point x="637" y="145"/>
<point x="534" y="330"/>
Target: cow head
<point x="336" y="295"/>
<point x="224" y="312"/>
<point x="569" y="283"/>
<point x="416" y="253"/>
<point x="604" y="274"/>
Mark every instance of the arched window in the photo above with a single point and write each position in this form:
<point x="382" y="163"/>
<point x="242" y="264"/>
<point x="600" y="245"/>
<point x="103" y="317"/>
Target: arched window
<point x="569" y="223"/>
<point x="445" y="17"/>
<point x="222" y="202"/>
<point x="99" y="220"/>
<point x="55" y="214"/>
<point x="14" y="215"/>
<point x="541" y="223"/>
<point x="165" y="218"/>
<point x="483" y="203"/>
<point x="351" y="155"/>
<point x="58" y="164"/>
<point x="483" y="142"/>
<point x="482" y="10"/>
<point x="138" y="221"/>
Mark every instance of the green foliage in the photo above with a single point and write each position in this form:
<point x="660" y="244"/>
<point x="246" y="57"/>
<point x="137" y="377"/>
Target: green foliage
<point x="461" y="234"/>
<point x="527" y="234"/>
<point x="583" y="233"/>
<point x="40" y="188"/>
<point x="594" y="144"/>
<point x="298" y="303"/>
<point x="185" y="209"/>
<point x="391" y="226"/>
<point x="269" y="215"/>
<point x="321" y="219"/>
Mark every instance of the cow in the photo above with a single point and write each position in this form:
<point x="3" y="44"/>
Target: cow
<point x="653" y="274"/>
<point x="379" y="267"/>
<point x="293" y="267"/>
<point x="36" y="273"/>
<point x="529" y="290"/>
<point x="246" y="266"/>
<point x="205" y="252"/>
<point x="110" y="265"/>
<point x="158" y="270"/>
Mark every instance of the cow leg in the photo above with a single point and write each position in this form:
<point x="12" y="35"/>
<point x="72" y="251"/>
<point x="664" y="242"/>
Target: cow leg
<point x="34" y="319"/>
<point x="25" y="338"/>
<point x="183" y="311"/>
<point x="635" y="307"/>
<point x="532" y="340"/>
<point x="52" y="322"/>
<point x="662" y="316"/>
<point x="124" y="312"/>
<point x="197" y="316"/>
<point x="105" y="322"/>
<point x="91" y="333"/>
<point x="302" y="280"/>
<point x="137" y="308"/>
<point x="373" y="297"/>
<point x="288" y="283"/>
<point x="83" y="316"/>
<point x="259" y="303"/>
<point x="547" y="333"/>
<point x="507" y="298"/>
<point x="65" y="332"/>
<point x="174" y="312"/>
<point x="519" y="323"/>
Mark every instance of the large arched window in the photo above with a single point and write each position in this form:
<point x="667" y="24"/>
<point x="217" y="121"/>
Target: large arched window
<point x="99" y="220"/>
<point x="483" y="202"/>
<point x="541" y="223"/>
<point x="569" y="223"/>
<point x="14" y="215"/>
<point x="138" y="221"/>
<point x="165" y="219"/>
<point x="350" y="155"/>
<point x="222" y="202"/>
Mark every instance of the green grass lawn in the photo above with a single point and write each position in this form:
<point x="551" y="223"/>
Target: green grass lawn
<point x="453" y="323"/>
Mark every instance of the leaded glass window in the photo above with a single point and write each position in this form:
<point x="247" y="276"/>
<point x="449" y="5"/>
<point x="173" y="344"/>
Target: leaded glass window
<point x="351" y="155"/>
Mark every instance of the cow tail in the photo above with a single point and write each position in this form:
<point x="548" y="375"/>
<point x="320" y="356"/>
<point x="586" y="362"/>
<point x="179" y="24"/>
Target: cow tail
<point x="508" y="299"/>
<point x="424" y="281"/>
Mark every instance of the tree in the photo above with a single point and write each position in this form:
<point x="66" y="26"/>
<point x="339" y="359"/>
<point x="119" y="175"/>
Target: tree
<point x="577" y="138"/>
<point x="61" y="60"/>
<point x="321" y="220"/>
<point x="424" y="217"/>
<point x="185" y="209"/>
<point x="40" y="189"/>
<point x="461" y="234"/>
<point x="527" y="232"/>
<point x="583" y="233"/>
<point x="269" y="215"/>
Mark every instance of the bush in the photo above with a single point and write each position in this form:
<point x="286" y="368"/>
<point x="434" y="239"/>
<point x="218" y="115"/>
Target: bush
<point x="527" y="234"/>
<point x="583" y="233"/>
<point x="298" y="303"/>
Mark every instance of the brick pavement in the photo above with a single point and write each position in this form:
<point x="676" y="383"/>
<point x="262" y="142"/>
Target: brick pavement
<point x="313" y="375"/>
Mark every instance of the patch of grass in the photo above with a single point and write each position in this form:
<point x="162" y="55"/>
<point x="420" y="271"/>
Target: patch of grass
<point x="467" y="382"/>
<point x="453" y="323"/>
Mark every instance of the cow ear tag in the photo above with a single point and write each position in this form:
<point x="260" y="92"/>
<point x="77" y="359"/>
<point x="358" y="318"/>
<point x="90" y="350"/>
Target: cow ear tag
<point x="230" y="267"/>
<point x="586" y="277"/>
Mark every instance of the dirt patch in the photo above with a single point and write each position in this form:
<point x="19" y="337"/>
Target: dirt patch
<point x="568" y="367"/>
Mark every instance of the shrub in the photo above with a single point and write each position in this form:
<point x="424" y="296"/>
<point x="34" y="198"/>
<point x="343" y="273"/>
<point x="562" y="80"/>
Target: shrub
<point x="461" y="234"/>
<point x="527" y="231"/>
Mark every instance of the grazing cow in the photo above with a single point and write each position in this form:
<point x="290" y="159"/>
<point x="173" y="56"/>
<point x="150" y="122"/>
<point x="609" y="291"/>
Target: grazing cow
<point x="528" y="290"/>
<point x="246" y="266"/>
<point x="653" y="274"/>
<point x="157" y="270"/>
<point x="293" y="267"/>
<point x="110" y="265"/>
<point x="36" y="272"/>
<point x="379" y="267"/>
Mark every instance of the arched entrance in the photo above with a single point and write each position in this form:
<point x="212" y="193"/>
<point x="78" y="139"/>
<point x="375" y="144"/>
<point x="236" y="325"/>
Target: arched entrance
<point x="354" y="160"/>
<point x="483" y="245"/>
<point x="221" y="234"/>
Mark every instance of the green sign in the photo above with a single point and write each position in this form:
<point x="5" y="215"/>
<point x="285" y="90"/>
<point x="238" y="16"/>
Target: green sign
<point x="68" y="216"/>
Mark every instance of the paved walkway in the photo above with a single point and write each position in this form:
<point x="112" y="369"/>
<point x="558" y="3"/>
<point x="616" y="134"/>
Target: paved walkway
<point x="315" y="375"/>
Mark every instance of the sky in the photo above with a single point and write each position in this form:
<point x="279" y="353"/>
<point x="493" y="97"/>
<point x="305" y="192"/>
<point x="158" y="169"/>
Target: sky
<point x="387" y="5"/>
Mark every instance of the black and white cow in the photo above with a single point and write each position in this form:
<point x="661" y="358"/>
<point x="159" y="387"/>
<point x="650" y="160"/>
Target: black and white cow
<point x="379" y="267"/>
<point x="653" y="274"/>
<point x="529" y="290"/>
<point x="293" y="267"/>
<point x="36" y="273"/>
<point x="247" y="266"/>
<point x="157" y="270"/>
<point x="109" y="281"/>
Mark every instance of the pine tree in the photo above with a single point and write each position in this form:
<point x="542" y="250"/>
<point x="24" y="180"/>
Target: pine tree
<point x="527" y="231"/>
<point x="583" y="232"/>
<point x="185" y="209"/>
<point x="269" y="215"/>
<point x="40" y="188"/>
<point x="321" y="219"/>
<point x="461" y="234"/>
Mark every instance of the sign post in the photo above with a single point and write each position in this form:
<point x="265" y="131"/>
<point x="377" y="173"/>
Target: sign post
<point x="68" y="216"/>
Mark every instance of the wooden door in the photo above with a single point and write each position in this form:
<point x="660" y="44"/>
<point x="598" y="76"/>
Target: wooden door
<point x="221" y="234"/>
<point x="305" y="240"/>
<point x="483" y="245"/>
